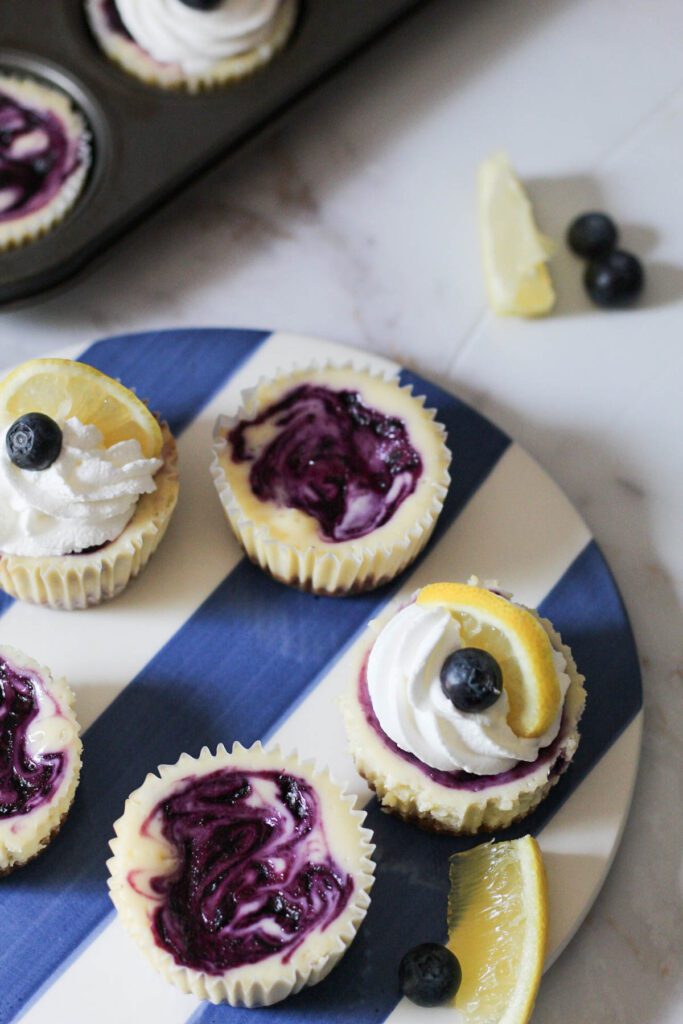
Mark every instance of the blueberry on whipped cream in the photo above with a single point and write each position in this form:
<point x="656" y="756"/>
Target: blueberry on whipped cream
<point x="44" y="158"/>
<point x="248" y="871"/>
<point x="39" y="756"/>
<point x="34" y="441"/>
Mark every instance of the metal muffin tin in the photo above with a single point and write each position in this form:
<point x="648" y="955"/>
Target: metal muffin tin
<point x="149" y="142"/>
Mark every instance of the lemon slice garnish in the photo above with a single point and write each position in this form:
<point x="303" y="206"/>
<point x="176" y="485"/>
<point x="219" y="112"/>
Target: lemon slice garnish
<point x="513" y="250"/>
<point x="497" y="925"/>
<point x="62" y="388"/>
<point x="518" y="642"/>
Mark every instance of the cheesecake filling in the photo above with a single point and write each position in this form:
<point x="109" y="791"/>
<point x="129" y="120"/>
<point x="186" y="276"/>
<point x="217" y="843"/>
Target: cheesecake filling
<point x="253" y="874"/>
<point x="37" y="155"/>
<point x="331" y="456"/>
<point x="31" y="727"/>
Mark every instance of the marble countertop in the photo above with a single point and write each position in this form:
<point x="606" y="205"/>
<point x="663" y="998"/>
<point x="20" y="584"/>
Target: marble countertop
<point x="356" y="221"/>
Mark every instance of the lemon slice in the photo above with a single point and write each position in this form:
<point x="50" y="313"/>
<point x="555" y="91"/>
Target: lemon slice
<point x="497" y="925"/>
<point x="517" y="641"/>
<point x="62" y="388"/>
<point x="513" y="250"/>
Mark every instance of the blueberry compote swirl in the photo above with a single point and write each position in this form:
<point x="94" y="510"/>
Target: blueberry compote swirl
<point x="334" y="458"/>
<point x="254" y="875"/>
<point x="25" y="782"/>
<point x="36" y="157"/>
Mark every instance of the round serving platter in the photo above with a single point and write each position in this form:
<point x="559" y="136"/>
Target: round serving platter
<point x="204" y="648"/>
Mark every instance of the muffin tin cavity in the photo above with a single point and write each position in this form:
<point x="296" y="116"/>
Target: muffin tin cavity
<point x="148" y="142"/>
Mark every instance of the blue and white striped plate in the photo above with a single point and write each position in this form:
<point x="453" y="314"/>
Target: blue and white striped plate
<point x="204" y="648"/>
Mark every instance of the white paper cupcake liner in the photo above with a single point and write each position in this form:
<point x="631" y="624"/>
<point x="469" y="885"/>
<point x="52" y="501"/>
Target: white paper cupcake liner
<point x="23" y="837"/>
<point x="405" y="790"/>
<point x="333" y="570"/>
<point x="24" y="229"/>
<point x="269" y="980"/>
<point x="131" y="58"/>
<point x="74" y="582"/>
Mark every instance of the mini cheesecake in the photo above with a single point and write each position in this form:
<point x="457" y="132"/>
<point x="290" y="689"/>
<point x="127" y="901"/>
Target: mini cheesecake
<point x="44" y="158"/>
<point x="242" y="876"/>
<point x="129" y="30"/>
<point x="331" y="478"/>
<point x="429" y="756"/>
<point x="40" y="757"/>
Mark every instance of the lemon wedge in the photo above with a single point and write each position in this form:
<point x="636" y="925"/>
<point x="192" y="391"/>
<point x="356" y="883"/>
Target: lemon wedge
<point x="62" y="388"/>
<point x="514" y="252"/>
<point x="497" y="928"/>
<point x="517" y="641"/>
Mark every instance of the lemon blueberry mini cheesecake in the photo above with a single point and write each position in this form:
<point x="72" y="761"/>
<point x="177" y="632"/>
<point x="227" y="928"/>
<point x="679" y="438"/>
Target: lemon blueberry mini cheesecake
<point x="331" y="478"/>
<point x="88" y="483"/>
<point x="242" y="876"/>
<point x="44" y="158"/>
<point x="191" y="44"/>
<point x="464" y="711"/>
<point x="40" y="757"/>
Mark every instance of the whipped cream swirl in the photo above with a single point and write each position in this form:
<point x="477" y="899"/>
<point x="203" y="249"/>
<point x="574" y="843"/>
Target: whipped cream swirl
<point x="173" y="33"/>
<point x="412" y="709"/>
<point x="85" y="499"/>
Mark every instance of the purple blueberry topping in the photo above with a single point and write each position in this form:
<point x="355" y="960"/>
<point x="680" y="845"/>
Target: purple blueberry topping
<point x="34" y="441"/>
<point x="36" y="158"/>
<point x="471" y="679"/>
<point x="254" y="876"/>
<point x="26" y="782"/>
<point x="345" y="464"/>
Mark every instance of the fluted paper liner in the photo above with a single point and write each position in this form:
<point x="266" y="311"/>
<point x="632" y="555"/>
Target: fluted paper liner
<point x="73" y="582"/>
<point x="23" y="837"/>
<point x="270" y="980"/>
<point x="23" y="229"/>
<point x="323" y="567"/>
<point x="403" y="788"/>
<point x="131" y="57"/>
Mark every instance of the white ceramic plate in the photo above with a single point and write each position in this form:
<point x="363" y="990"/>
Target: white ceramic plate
<point x="205" y="648"/>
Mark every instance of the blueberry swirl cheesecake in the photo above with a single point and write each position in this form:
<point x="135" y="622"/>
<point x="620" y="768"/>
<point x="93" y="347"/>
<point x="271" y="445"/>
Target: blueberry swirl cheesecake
<point x="243" y="876"/>
<point x="332" y="478"/>
<point x="88" y="484"/>
<point x="464" y="710"/>
<point x="44" y="158"/>
<point x="191" y="44"/>
<point x="40" y="757"/>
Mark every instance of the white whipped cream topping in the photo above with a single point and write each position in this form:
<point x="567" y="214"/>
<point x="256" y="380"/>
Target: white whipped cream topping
<point x="84" y="499"/>
<point x="412" y="709"/>
<point x="173" y="33"/>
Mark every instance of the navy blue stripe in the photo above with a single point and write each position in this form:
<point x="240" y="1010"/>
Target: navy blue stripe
<point x="411" y="888"/>
<point x="230" y="672"/>
<point x="175" y="372"/>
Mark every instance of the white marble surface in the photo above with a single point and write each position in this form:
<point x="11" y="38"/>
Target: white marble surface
<point x="356" y="221"/>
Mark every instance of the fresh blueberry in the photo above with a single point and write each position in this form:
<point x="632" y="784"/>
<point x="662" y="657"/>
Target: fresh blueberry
<point x="615" y="280"/>
<point x="471" y="679"/>
<point x="592" y="235"/>
<point x="429" y="975"/>
<point x="33" y="441"/>
<point x="202" y="5"/>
